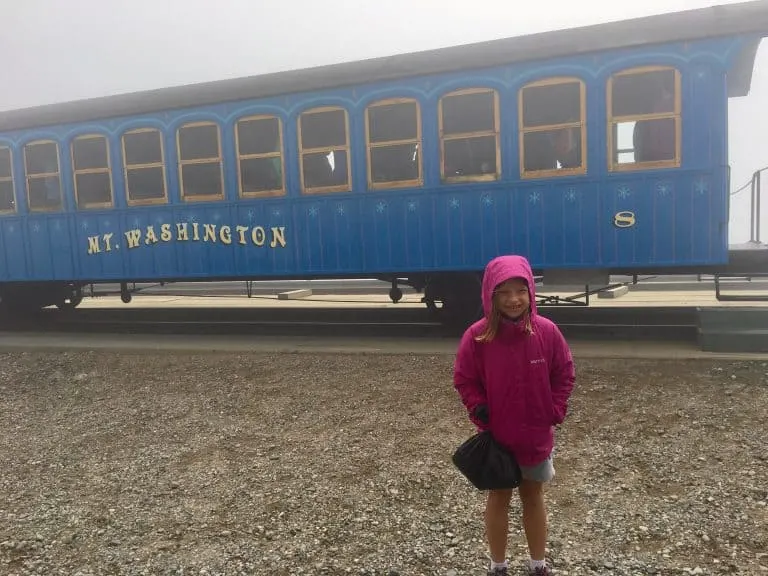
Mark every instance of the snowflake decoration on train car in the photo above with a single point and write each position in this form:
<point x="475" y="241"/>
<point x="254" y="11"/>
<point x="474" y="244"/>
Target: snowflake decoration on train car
<point x="412" y="206"/>
<point x="313" y="211"/>
<point x="663" y="188"/>
<point x="106" y="224"/>
<point x="340" y="209"/>
<point x="276" y="212"/>
<point x="624" y="192"/>
<point x="454" y="203"/>
<point x="85" y="225"/>
<point x="380" y="207"/>
<point x="250" y="215"/>
<point x="571" y="194"/>
<point x="136" y="222"/>
<point x="700" y="187"/>
<point x="36" y="227"/>
<point x="216" y="217"/>
<point x="487" y="200"/>
<point x="192" y="218"/>
<point x="535" y="197"/>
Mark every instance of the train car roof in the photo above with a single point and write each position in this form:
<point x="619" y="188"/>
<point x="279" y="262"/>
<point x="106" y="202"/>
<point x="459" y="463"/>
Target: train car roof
<point x="744" y="18"/>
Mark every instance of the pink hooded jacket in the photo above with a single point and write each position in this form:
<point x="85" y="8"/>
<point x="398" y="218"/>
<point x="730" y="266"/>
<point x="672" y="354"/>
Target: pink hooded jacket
<point x="525" y="380"/>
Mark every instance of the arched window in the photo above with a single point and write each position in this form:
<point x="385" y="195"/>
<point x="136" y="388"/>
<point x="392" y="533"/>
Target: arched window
<point x="144" y="165"/>
<point x="324" y="150"/>
<point x="91" y="172"/>
<point x="644" y="121"/>
<point x="469" y="136"/>
<point x="201" y="176"/>
<point x="553" y="135"/>
<point x="41" y="166"/>
<point x="393" y="137"/>
<point x="7" y="191"/>
<point x="261" y="168"/>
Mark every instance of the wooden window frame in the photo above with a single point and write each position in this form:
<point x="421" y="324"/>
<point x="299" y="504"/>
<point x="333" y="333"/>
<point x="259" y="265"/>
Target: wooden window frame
<point x="127" y="167"/>
<point x="496" y="132"/>
<point x="304" y="151"/>
<point x="28" y="178"/>
<point x="279" y="153"/>
<point x="11" y="180"/>
<point x="582" y="124"/>
<point x="107" y="171"/>
<point x="388" y="143"/>
<point x="182" y="163"/>
<point x="676" y="115"/>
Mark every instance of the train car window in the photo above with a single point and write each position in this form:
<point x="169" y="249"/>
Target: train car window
<point x="644" y="120"/>
<point x="469" y="136"/>
<point x="260" y="156"/>
<point x="144" y="165"/>
<point x="324" y="150"/>
<point x="552" y="117"/>
<point x="200" y="167"/>
<point x="7" y="195"/>
<point x="92" y="172"/>
<point x="41" y="163"/>
<point x="393" y="132"/>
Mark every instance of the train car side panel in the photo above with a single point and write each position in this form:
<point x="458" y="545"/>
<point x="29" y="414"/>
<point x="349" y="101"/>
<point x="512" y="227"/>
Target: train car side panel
<point x="13" y="263"/>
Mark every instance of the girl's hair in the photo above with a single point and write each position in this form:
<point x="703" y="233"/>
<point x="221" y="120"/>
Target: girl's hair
<point x="494" y="319"/>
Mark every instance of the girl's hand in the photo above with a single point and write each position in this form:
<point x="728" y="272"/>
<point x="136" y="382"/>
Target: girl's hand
<point x="481" y="413"/>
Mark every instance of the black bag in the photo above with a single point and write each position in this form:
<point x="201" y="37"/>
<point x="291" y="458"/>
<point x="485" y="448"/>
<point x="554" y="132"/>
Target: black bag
<point x="486" y="464"/>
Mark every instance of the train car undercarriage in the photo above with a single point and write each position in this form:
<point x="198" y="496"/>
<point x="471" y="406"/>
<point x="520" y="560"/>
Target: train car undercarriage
<point x="454" y="298"/>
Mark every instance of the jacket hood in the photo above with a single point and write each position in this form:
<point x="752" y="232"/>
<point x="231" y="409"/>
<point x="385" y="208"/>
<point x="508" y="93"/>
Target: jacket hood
<point x="502" y="269"/>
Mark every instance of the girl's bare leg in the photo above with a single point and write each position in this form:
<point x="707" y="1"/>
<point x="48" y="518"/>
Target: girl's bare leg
<point x="497" y="523"/>
<point x="534" y="517"/>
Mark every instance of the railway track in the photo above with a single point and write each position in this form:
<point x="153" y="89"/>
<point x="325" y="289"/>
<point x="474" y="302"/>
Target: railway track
<point x="642" y="323"/>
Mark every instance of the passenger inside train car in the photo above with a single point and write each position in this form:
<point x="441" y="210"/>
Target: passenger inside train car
<point x="469" y="122"/>
<point x="259" y="149"/>
<point x="552" y="121"/>
<point x="644" y="100"/>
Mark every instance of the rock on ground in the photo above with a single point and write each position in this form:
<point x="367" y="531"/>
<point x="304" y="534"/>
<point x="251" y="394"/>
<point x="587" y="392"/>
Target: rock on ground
<point x="309" y="464"/>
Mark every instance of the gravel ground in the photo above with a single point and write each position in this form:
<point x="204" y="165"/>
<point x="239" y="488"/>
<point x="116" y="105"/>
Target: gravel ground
<point x="311" y="464"/>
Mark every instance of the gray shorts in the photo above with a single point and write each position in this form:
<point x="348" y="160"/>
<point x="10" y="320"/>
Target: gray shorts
<point x="542" y="472"/>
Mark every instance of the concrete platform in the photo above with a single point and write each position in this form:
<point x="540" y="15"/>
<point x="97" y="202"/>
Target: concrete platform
<point x="143" y="344"/>
<point x="630" y="299"/>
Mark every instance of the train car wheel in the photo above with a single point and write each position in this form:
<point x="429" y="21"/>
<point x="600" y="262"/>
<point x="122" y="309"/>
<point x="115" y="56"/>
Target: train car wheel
<point x="71" y="299"/>
<point x="462" y="301"/>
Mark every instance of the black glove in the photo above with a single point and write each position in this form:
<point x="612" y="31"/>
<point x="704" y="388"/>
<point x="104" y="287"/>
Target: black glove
<point x="481" y="413"/>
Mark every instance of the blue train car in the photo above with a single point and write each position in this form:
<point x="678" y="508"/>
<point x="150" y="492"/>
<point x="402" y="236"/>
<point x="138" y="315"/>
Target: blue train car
<point x="595" y="150"/>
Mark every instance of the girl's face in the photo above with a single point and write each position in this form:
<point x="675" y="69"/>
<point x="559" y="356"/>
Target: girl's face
<point x="512" y="298"/>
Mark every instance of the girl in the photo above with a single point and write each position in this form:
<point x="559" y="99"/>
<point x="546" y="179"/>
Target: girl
<point x="515" y="374"/>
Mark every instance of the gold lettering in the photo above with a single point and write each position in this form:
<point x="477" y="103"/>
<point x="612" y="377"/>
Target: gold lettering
<point x="93" y="245"/>
<point x="133" y="237"/>
<point x="278" y="236"/>
<point x="225" y="235"/>
<point x="241" y="230"/>
<point x="210" y="232"/>
<point x="258" y="236"/>
<point x="151" y="237"/>
<point x="625" y="219"/>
